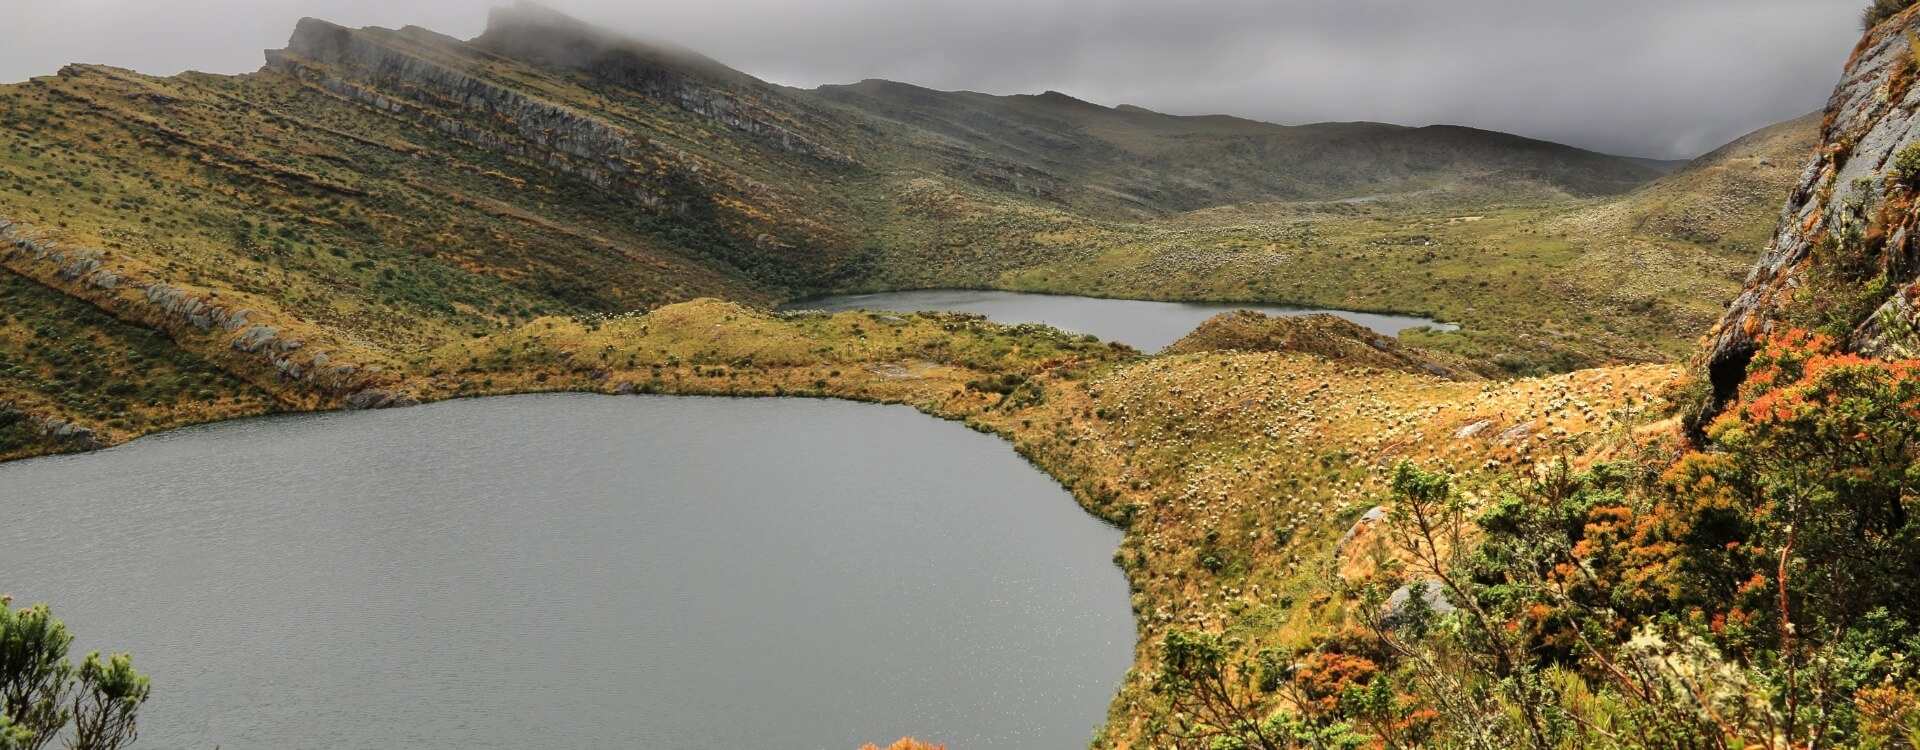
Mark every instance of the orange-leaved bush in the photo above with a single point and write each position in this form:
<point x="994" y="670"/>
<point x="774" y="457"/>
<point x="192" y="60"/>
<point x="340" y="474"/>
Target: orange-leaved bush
<point x="905" y="743"/>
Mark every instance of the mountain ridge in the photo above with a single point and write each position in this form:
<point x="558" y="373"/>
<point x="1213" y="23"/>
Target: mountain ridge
<point x="371" y="194"/>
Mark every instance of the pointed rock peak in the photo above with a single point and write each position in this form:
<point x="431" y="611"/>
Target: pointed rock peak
<point x="1061" y="98"/>
<point x="317" y="39"/>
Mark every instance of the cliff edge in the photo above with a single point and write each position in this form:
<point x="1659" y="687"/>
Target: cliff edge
<point x="1843" y="259"/>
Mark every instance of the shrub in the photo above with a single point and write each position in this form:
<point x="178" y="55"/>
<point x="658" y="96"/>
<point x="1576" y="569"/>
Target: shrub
<point x="41" y="694"/>
<point x="905" y="743"/>
<point x="1906" y="165"/>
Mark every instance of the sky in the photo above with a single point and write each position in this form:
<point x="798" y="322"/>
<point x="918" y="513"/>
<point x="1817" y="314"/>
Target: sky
<point x="1658" y="78"/>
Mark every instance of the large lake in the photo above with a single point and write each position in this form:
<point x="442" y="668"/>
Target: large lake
<point x="1147" y="326"/>
<point x="577" y="571"/>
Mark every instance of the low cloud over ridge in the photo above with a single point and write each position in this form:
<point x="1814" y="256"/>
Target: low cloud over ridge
<point x="1661" y="78"/>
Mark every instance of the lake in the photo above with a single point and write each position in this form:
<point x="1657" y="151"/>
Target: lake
<point x="1147" y="326"/>
<point x="581" y="571"/>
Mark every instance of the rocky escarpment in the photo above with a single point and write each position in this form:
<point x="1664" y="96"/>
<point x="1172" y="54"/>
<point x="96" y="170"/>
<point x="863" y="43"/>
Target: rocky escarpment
<point x="259" y="348"/>
<point x="353" y="65"/>
<point x="1844" y="259"/>
<point x="621" y="146"/>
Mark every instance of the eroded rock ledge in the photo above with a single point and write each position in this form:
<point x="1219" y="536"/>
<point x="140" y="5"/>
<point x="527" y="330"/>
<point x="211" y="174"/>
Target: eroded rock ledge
<point x="254" y="346"/>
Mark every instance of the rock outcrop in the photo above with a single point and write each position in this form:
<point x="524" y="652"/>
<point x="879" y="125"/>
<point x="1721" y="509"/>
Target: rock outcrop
<point x="263" y="352"/>
<point x="1844" y="257"/>
<point x="356" y="65"/>
<point x="55" y="429"/>
<point x="1402" y="605"/>
<point x="440" y="82"/>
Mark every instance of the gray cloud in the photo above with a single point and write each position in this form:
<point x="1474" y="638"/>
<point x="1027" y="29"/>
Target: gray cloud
<point x="1665" y="78"/>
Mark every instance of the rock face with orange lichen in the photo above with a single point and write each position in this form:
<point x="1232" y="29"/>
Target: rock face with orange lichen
<point x="1845" y="259"/>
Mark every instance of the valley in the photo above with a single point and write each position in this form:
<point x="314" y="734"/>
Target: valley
<point x="392" y="218"/>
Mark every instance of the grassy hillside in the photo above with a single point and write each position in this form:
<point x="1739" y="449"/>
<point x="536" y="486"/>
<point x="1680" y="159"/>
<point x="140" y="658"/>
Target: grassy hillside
<point x="1127" y="161"/>
<point x="1537" y="283"/>
<point x="1726" y="200"/>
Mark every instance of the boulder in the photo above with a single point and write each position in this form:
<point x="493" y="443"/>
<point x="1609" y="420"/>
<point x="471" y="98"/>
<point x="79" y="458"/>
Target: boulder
<point x="1372" y="516"/>
<point x="375" y="398"/>
<point x="1400" y="604"/>
<point x="1471" y="430"/>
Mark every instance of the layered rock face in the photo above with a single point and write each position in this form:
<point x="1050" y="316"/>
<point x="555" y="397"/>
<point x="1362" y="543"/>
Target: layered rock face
<point x="683" y="138"/>
<point x="398" y="79"/>
<point x="1844" y="258"/>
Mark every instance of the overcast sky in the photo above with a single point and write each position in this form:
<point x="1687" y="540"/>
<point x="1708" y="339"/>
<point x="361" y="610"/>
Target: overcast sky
<point x="1662" y="78"/>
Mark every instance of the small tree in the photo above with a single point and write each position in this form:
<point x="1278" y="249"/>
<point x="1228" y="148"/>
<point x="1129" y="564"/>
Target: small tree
<point x="41" y="692"/>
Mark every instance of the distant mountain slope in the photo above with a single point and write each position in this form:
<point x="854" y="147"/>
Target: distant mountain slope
<point x="1726" y="198"/>
<point x="1126" y="158"/>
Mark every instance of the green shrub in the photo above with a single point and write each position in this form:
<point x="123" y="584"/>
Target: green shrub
<point x="1906" y="165"/>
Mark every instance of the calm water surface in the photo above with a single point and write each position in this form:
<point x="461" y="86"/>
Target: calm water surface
<point x="1147" y="326"/>
<point x="575" y="571"/>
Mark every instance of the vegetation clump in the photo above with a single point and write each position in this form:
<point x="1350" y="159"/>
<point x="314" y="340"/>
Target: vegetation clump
<point x="42" y="695"/>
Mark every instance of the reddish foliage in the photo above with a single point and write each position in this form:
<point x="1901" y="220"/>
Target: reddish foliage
<point x="905" y="743"/>
<point x="1322" y="677"/>
<point x="1817" y="454"/>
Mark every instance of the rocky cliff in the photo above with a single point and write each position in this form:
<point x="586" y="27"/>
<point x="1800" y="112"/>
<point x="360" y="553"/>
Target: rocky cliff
<point x="1844" y="259"/>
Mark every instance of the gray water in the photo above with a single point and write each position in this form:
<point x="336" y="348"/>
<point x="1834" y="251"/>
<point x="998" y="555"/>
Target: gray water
<point x="576" y="571"/>
<point x="1147" y="326"/>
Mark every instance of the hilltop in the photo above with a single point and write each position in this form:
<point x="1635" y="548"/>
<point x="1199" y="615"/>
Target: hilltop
<point x="1328" y="336"/>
